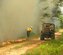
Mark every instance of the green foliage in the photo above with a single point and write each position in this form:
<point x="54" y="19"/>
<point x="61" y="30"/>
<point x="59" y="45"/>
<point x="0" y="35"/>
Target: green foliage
<point x="58" y="12"/>
<point x="53" y="47"/>
<point x="61" y="17"/>
<point x="61" y="20"/>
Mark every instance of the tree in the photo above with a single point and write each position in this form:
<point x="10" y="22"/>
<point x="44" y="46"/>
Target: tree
<point x="58" y="13"/>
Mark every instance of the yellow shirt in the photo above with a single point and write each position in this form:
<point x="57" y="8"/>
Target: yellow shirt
<point x="29" y="29"/>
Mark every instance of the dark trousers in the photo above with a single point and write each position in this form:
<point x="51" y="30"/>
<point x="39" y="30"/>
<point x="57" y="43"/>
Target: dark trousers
<point x="28" y="34"/>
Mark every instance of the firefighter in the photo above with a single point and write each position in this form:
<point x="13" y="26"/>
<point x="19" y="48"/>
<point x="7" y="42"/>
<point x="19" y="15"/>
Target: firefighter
<point x="29" y="29"/>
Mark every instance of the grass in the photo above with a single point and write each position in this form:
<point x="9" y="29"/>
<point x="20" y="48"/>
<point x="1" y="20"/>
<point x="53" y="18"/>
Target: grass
<point x="53" y="47"/>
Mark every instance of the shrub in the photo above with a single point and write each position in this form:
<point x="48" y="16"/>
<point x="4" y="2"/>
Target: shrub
<point x="53" y="47"/>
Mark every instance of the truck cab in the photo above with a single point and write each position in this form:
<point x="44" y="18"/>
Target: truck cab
<point x="48" y="31"/>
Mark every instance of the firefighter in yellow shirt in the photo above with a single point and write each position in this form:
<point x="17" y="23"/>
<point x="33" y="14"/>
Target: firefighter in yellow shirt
<point x="29" y="29"/>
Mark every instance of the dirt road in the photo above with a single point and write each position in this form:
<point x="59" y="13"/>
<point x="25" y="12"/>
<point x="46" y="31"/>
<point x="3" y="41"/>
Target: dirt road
<point x="19" y="48"/>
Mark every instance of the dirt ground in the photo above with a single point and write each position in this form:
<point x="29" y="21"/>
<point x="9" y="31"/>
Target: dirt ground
<point x="19" y="48"/>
